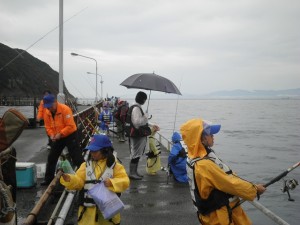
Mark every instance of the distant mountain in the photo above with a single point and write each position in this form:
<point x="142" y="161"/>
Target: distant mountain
<point x="289" y="93"/>
<point x="26" y="76"/>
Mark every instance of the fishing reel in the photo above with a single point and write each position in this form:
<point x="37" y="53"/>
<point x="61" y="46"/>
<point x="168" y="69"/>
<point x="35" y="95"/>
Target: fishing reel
<point x="289" y="185"/>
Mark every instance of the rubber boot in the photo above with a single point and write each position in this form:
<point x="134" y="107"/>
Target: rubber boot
<point x="140" y="175"/>
<point x="133" y="171"/>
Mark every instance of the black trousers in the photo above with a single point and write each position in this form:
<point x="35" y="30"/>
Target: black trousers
<point x="71" y="142"/>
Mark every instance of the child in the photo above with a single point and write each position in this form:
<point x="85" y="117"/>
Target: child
<point x="100" y="167"/>
<point x="177" y="159"/>
<point x="105" y="118"/>
<point x="153" y="158"/>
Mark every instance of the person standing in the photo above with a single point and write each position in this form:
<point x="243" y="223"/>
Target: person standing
<point x="215" y="189"/>
<point x="100" y="166"/>
<point x="105" y="118"/>
<point x="41" y="113"/>
<point x="177" y="159"/>
<point x="137" y="144"/>
<point x="62" y="130"/>
<point x="120" y="117"/>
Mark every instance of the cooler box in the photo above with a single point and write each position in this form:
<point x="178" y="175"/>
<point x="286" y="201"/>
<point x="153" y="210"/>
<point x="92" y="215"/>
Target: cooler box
<point x="26" y="174"/>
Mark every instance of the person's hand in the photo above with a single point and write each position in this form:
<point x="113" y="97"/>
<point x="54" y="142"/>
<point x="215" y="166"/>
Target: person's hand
<point x="52" y="137"/>
<point x="107" y="182"/>
<point x="57" y="136"/>
<point x="66" y="177"/>
<point x="156" y="128"/>
<point x="260" y="189"/>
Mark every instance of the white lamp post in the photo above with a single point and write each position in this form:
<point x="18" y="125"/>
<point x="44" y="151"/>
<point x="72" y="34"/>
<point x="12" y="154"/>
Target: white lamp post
<point x="75" y="54"/>
<point x="101" y="81"/>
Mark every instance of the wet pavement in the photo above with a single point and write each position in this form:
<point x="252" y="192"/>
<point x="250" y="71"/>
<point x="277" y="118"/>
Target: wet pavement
<point x="147" y="202"/>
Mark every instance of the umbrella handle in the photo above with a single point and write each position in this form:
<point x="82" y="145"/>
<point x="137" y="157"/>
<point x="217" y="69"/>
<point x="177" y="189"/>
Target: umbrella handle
<point x="148" y="102"/>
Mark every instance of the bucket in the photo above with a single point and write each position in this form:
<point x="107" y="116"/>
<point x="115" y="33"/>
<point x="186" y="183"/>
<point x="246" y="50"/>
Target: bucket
<point x="40" y="170"/>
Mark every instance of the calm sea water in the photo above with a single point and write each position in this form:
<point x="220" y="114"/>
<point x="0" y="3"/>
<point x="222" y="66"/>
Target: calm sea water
<point x="259" y="139"/>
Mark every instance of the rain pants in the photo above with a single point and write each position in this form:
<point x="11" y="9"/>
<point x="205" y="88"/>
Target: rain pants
<point x="209" y="176"/>
<point x="120" y="182"/>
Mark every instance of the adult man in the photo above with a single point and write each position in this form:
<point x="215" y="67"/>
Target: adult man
<point x="41" y="113"/>
<point x="215" y="189"/>
<point x="137" y="144"/>
<point x="62" y="130"/>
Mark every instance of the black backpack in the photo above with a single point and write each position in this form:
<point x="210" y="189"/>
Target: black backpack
<point x="130" y="130"/>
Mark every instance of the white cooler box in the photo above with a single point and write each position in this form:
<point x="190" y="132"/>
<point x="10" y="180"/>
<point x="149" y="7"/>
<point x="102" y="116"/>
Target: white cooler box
<point x="26" y="174"/>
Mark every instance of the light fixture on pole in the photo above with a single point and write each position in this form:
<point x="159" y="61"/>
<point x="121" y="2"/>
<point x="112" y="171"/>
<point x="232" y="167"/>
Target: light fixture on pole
<point x="101" y="81"/>
<point x="75" y="54"/>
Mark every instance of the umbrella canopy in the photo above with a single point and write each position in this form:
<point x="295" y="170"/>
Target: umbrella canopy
<point x="150" y="81"/>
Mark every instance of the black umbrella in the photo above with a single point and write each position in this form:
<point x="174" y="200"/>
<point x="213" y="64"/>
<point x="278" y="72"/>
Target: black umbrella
<point x="150" y="81"/>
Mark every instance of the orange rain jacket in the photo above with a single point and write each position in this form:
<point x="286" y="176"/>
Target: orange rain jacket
<point x="209" y="176"/>
<point x="63" y="121"/>
<point x="41" y="111"/>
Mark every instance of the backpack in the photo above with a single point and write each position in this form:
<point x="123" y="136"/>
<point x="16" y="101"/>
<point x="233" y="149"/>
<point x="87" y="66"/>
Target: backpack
<point x="130" y="130"/>
<point x="121" y="113"/>
<point x="12" y="124"/>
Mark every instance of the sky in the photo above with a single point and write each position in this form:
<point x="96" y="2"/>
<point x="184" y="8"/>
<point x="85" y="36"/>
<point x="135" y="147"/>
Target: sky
<point x="202" y="46"/>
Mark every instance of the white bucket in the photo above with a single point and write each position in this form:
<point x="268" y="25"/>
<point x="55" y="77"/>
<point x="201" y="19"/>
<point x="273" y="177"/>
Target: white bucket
<point x="40" y="170"/>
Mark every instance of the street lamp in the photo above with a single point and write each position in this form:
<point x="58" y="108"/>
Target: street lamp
<point x="75" y="54"/>
<point x="101" y="81"/>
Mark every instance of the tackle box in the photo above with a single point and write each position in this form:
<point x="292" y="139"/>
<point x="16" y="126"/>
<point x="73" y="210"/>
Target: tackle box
<point x="26" y="174"/>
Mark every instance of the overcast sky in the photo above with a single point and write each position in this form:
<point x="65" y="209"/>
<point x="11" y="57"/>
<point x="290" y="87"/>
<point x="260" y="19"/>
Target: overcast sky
<point x="201" y="45"/>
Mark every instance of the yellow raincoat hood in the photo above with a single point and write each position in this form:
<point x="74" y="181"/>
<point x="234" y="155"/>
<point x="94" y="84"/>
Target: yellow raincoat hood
<point x="191" y="134"/>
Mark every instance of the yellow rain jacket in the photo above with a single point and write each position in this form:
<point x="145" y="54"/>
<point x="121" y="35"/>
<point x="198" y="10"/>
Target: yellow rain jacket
<point x="120" y="182"/>
<point x="209" y="176"/>
<point x="153" y="164"/>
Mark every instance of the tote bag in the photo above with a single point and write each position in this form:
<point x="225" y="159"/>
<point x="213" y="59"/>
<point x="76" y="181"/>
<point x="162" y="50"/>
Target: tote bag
<point x="107" y="201"/>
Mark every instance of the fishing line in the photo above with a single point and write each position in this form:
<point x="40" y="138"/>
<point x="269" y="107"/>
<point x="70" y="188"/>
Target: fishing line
<point x="176" y="106"/>
<point x="20" y="54"/>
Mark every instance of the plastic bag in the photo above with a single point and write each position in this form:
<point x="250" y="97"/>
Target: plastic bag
<point x="107" y="201"/>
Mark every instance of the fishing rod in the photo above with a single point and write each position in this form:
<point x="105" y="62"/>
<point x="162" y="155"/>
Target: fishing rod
<point x="176" y="107"/>
<point x="288" y="185"/>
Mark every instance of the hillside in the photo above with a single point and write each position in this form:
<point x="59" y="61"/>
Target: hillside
<point x="26" y="76"/>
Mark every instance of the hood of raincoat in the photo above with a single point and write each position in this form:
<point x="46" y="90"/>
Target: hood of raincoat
<point x="191" y="134"/>
<point x="176" y="137"/>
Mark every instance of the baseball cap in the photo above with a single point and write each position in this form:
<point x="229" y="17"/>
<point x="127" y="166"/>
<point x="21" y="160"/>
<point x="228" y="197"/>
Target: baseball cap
<point x="210" y="128"/>
<point x="48" y="100"/>
<point x="98" y="142"/>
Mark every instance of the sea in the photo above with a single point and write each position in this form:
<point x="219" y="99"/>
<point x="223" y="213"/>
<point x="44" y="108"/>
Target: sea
<point x="259" y="139"/>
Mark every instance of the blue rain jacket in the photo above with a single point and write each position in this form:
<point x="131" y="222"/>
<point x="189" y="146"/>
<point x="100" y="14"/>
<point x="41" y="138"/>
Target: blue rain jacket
<point x="177" y="164"/>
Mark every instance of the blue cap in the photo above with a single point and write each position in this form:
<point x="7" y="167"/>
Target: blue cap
<point x="48" y="100"/>
<point x="209" y="128"/>
<point x="176" y="137"/>
<point x="98" y="142"/>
